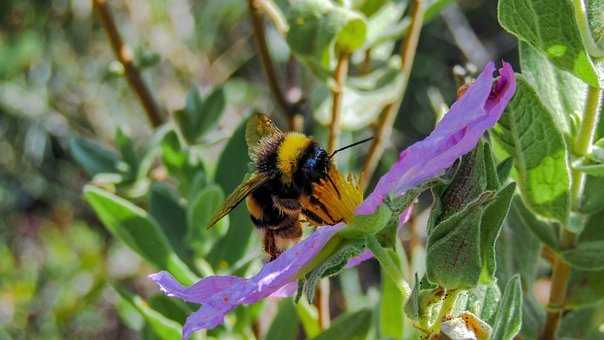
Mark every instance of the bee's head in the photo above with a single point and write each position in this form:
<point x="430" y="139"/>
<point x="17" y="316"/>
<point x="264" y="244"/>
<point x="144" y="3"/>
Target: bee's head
<point x="314" y="163"/>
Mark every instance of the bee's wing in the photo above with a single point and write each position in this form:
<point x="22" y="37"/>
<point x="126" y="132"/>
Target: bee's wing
<point x="258" y="126"/>
<point x="238" y="195"/>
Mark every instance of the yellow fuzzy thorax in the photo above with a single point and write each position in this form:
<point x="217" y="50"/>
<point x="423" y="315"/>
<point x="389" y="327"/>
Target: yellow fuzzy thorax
<point x="289" y="152"/>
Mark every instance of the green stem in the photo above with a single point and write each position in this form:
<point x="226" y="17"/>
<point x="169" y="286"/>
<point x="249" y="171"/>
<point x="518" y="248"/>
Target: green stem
<point x="561" y="269"/>
<point x="586" y="35"/>
<point x="388" y="266"/>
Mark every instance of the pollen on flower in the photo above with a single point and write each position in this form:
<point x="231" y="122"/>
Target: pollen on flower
<point x="334" y="199"/>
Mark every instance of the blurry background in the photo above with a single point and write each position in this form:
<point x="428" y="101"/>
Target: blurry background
<point x="59" y="78"/>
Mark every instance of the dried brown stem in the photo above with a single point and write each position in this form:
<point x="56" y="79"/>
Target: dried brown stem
<point x="388" y="115"/>
<point x="124" y="56"/>
<point x="267" y="64"/>
<point x="322" y="303"/>
<point x="336" y="100"/>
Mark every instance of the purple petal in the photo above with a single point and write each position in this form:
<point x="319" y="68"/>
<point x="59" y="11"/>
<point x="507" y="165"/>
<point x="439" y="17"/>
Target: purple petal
<point x="200" y="292"/>
<point x="458" y="132"/>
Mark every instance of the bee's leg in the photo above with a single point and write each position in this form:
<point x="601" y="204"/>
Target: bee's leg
<point x="270" y="244"/>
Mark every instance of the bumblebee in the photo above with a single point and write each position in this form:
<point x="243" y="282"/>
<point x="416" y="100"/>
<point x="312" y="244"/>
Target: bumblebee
<point x="285" y="165"/>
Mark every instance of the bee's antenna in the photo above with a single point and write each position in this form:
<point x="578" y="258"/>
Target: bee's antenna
<point x="350" y="146"/>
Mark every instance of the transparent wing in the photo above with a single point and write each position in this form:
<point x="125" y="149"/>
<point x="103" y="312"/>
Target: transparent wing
<point x="259" y="125"/>
<point x="238" y="195"/>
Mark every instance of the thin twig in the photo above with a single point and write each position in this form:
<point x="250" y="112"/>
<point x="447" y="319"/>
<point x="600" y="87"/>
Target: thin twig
<point x="124" y="56"/>
<point x="322" y="303"/>
<point x="267" y="63"/>
<point x="336" y="100"/>
<point x="388" y="115"/>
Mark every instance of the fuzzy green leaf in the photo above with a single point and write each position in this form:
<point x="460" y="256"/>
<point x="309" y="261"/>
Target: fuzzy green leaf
<point x="490" y="227"/>
<point x="93" y="157"/>
<point x="527" y="132"/>
<point x="585" y="288"/>
<point x="285" y="324"/>
<point x="351" y="326"/>
<point x="584" y="324"/>
<point x="165" y="207"/>
<point x="137" y="230"/>
<point x="199" y="212"/>
<point x="162" y="327"/>
<point x="587" y="253"/>
<point x="201" y="114"/>
<point x="230" y="171"/>
<point x="454" y="247"/>
<point x="550" y="27"/>
<point x="317" y="29"/>
<point x="561" y="92"/>
<point x="508" y="319"/>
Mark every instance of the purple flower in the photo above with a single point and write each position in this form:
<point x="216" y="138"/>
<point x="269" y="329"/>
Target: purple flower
<point x="477" y="110"/>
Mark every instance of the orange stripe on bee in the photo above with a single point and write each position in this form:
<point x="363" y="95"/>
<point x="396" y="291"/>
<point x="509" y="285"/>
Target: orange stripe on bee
<point x="253" y="207"/>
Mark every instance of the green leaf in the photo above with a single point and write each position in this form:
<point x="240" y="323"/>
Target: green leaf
<point x="382" y="26"/>
<point x="585" y="288"/>
<point x="584" y="324"/>
<point x="508" y="319"/>
<point x="199" y="212"/>
<point x="483" y="301"/>
<point x="504" y="168"/>
<point x="230" y="171"/>
<point x="550" y="27"/>
<point x="137" y="230"/>
<point x="317" y="29"/>
<point x="180" y="163"/>
<point x="93" y="157"/>
<point x="490" y="227"/>
<point x="285" y="324"/>
<point x="522" y="242"/>
<point x="595" y="8"/>
<point x="173" y="309"/>
<point x="125" y="146"/>
<point x="201" y="114"/>
<point x="561" y="92"/>
<point x="350" y="326"/>
<point x="454" y="249"/>
<point x="368" y="7"/>
<point x="528" y="133"/>
<point x="165" y="207"/>
<point x="364" y="97"/>
<point x="587" y="253"/>
<point x="161" y="326"/>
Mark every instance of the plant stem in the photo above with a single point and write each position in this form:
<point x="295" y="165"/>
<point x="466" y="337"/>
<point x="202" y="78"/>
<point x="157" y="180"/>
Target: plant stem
<point x="124" y="56"/>
<point x="562" y="270"/>
<point x="388" y="115"/>
<point x="336" y="100"/>
<point x="322" y="303"/>
<point x="267" y="64"/>
<point x="388" y="266"/>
